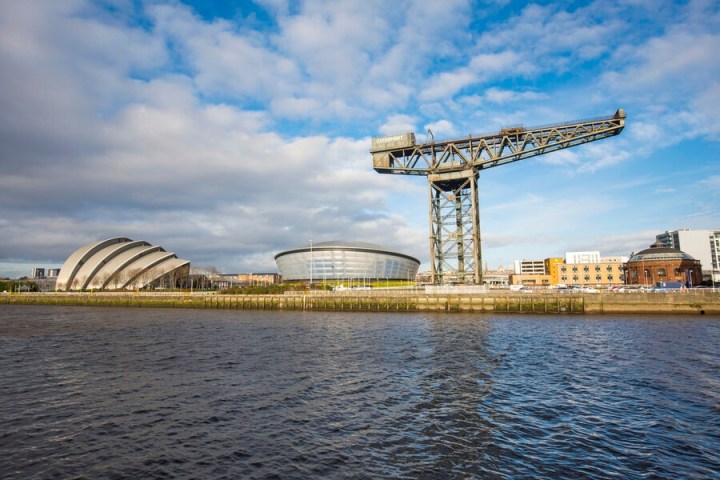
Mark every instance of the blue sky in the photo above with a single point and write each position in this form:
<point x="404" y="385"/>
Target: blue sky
<point x="229" y="131"/>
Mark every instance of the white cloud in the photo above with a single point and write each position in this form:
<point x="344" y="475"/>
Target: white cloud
<point x="442" y="129"/>
<point x="225" y="61"/>
<point x="481" y="68"/>
<point x="500" y="96"/>
<point x="398" y="124"/>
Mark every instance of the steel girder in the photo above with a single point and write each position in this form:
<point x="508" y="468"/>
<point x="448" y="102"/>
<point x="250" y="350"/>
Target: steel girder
<point x="510" y="145"/>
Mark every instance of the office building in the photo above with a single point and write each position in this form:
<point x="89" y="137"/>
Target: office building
<point x="700" y="244"/>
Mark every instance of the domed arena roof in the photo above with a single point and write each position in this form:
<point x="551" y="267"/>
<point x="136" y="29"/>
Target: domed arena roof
<point x="658" y="251"/>
<point x="118" y="264"/>
<point x="343" y="245"/>
<point x="341" y="259"/>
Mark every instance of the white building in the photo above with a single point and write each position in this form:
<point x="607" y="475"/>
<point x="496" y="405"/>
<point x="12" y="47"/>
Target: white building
<point x="700" y="244"/>
<point x="530" y="267"/>
<point x="715" y="254"/>
<point x="572" y="258"/>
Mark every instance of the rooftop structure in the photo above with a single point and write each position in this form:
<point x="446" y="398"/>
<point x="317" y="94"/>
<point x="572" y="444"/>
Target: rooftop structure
<point x="120" y="264"/>
<point x="582" y="257"/>
<point x="345" y="261"/>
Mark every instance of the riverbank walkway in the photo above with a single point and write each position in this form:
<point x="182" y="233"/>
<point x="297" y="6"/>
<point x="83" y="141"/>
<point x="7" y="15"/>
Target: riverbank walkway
<point x="696" y="301"/>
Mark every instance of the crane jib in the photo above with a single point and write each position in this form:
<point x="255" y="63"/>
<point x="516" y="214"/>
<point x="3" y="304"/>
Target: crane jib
<point x="400" y="154"/>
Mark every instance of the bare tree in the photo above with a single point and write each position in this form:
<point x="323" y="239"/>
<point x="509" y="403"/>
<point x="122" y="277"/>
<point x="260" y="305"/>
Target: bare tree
<point x="102" y="278"/>
<point x="130" y="277"/>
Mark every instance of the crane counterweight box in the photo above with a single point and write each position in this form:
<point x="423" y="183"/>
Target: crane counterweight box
<point x="394" y="142"/>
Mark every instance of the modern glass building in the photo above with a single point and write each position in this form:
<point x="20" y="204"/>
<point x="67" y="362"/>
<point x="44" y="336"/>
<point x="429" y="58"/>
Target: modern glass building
<point x="345" y="261"/>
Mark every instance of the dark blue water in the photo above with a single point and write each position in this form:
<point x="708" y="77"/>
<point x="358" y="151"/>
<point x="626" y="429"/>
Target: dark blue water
<point x="146" y="393"/>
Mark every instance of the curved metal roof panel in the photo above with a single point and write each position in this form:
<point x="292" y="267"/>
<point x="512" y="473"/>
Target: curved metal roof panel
<point x="114" y="263"/>
<point x="69" y="270"/>
<point x="120" y="269"/>
<point x="343" y="245"/>
<point x="95" y="267"/>
<point x="141" y="269"/>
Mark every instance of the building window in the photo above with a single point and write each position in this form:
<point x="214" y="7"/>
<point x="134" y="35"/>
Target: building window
<point x="598" y="277"/>
<point x="586" y="269"/>
<point x="610" y="278"/>
<point x="563" y="269"/>
<point x="597" y="268"/>
<point x="574" y="269"/>
<point x="575" y="278"/>
<point x="661" y="272"/>
<point x="587" y="278"/>
<point x="609" y="268"/>
<point x="563" y="278"/>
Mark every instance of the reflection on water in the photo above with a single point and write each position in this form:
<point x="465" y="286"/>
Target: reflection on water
<point x="145" y="393"/>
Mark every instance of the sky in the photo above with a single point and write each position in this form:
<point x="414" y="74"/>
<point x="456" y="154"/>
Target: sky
<point x="229" y="131"/>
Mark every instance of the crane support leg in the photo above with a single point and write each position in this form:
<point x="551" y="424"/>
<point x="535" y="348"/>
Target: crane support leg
<point x="455" y="251"/>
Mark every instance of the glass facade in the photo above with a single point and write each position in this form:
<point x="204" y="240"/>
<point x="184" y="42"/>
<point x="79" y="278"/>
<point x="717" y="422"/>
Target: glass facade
<point x="345" y="262"/>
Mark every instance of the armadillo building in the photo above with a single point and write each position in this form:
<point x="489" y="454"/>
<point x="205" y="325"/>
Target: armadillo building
<point x="345" y="261"/>
<point x="121" y="264"/>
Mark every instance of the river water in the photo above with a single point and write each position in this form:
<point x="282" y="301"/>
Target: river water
<point x="170" y="393"/>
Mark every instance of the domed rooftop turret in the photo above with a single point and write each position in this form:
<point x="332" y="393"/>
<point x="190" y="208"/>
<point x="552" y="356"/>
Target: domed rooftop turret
<point x="658" y="251"/>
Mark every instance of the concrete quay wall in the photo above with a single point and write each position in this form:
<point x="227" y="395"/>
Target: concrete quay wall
<point x="591" y="303"/>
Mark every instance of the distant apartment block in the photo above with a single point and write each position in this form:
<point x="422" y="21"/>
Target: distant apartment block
<point x="577" y="268"/>
<point x="530" y="280"/>
<point x="44" y="278"/>
<point x="595" y="274"/>
<point x="530" y="267"/>
<point x="715" y="254"/>
<point x="40" y="272"/>
<point x="702" y="245"/>
<point x="229" y="280"/>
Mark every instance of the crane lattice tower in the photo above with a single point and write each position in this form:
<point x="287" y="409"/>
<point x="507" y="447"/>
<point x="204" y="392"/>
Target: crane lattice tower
<point x="453" y="167"/>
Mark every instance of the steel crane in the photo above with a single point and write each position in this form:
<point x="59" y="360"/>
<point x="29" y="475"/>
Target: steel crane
<point x="452" y="168"/>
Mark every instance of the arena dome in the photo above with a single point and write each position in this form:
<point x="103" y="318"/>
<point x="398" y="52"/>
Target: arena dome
<point x="350" y="261"/>
<point x="121" y="264"/>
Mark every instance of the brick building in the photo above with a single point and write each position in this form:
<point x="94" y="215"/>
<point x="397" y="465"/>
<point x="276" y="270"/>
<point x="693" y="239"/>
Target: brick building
<point x="662" y="264"/>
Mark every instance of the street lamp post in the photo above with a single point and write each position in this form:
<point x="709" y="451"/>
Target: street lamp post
<point x="311" y="264"/>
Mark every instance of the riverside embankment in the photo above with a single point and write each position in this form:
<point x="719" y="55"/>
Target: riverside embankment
<point x="700" y="302"/>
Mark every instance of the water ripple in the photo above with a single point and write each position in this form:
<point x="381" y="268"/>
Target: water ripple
<point x="145" y="393"/>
